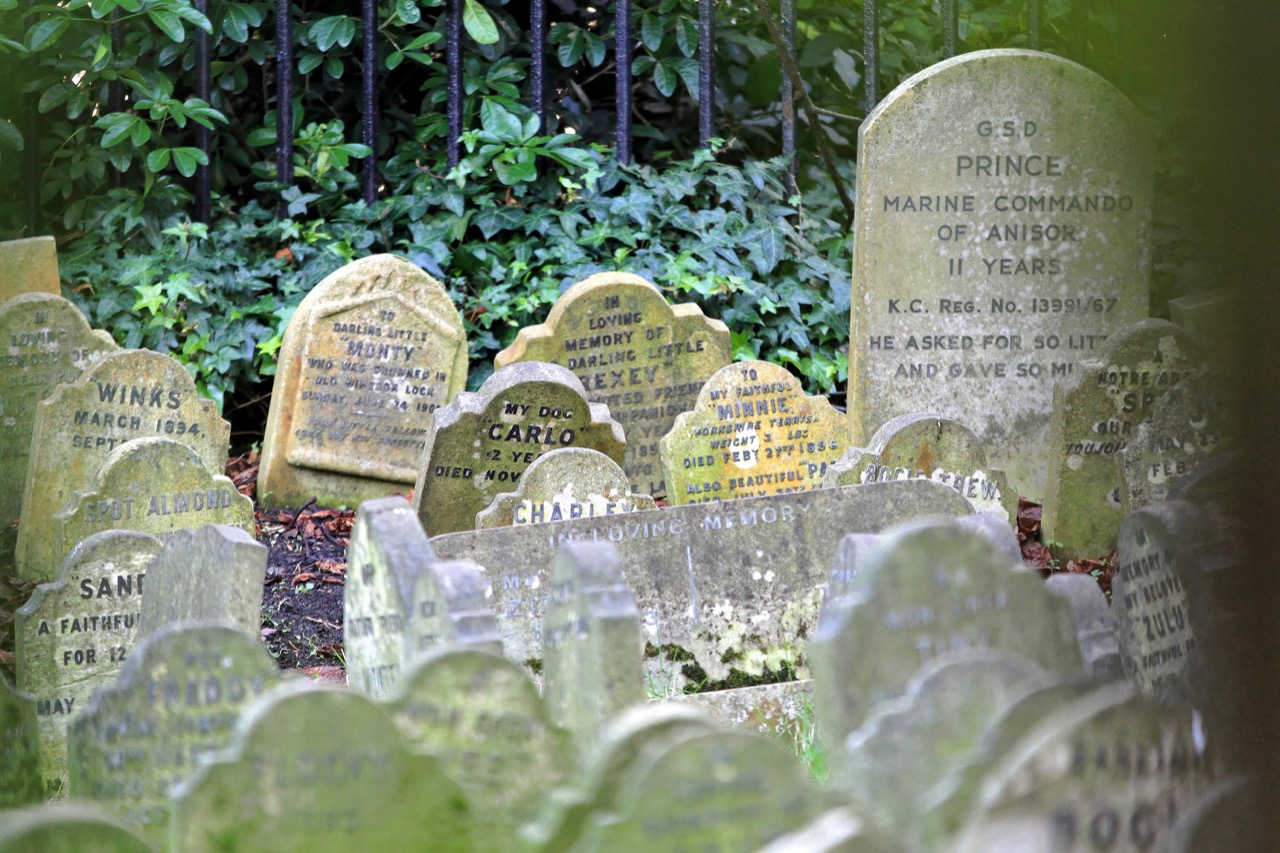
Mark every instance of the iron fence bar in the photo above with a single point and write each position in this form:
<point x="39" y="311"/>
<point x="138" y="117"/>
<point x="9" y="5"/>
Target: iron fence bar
<point x="622" y="71"/>
<point x="204" y="182"/>
<point x="31" y="149"/>
<point x="538" y="60"/>
<point x="115" y="90"/>
<point x="950" y="27"/>
<point x="1033" y="24"/>
<point x="788" y="94"/>
<point x="870" y="52"/>
<point x="706" y="70"/>
<point x="369" y="112"/>
<point x="284" y="96"/>
<point x="453" y="40"/>
<point x="1079" y="30"/>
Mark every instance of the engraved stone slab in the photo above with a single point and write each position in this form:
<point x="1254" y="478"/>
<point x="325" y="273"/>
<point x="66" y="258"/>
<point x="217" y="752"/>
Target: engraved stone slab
<point x="572" y="482"/>
<point x="369" y="354"/>
<point x="736" y="584"/>
<point x="124" y="395"/>
<point x="47" y="341"/>
<point x="1095" y="414"/>
<point x="29" y="266"/>
<point x="451" y="610"/>
<point x="1186" y="427"/>
<point x="74" y="634"/>
<point x="344" y="793"/>
<point x="934" y="447"/>
<point x="67" y="828"/>
<point x="752" y="432"/>
<point x="211" y="573"/>
<point x="1003" y="231"/>
<point x="480" y="444"/>
<point x="176" y="701"/>
<point x="153" y="485"/>
<point x="1095" y="627"/>
<point x="836" y="831"/>
<point x="20" y="779"/>
<point x="644" y="359"/>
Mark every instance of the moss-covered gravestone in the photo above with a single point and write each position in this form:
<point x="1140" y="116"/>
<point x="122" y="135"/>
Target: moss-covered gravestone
<point x="643" y="358"/>
<point x="573" y="482"/>
<point x="48" y="342"/>
<point x="211" y="573"/>
<point x="481" y="444"/>
<point x="67" y="828"/>
<point x="153" y="485"/>
<point x="176" y="701"/>
<point x="932" y="447"/>
<point x="450" y="609"/>
<point x="1095" y="626"/>
<point x="74" y="634"/>
<point x="29" y="266"/>
<point x="370" y="353"/>
<point x="1095" y="415"/>
<point x="1003" y="230"/>
<point x="20" y="779"/>
<point x="122" y="396"/>
<point x="752" y="432"/>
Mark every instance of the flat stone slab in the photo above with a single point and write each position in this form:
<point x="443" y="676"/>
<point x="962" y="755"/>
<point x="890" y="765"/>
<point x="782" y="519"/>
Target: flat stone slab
<point x="643" y="358"/>
<point x="368" y="355"/>
<point x="67" y="828"/>
<point x="29" y="265"/>
<point x="20" y="780"/>
<point x="573" y="482"/>
<point x="210" y="573"/>
<point x="1003" y="231"/>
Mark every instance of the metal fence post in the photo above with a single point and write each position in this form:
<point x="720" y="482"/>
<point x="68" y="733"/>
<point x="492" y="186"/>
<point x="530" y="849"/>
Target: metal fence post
<point x="788" y="94"/>
<point x="871" y="52"/>
<point x="369" y="114"/>
<point x="622" y="71"/>
<point x="538" y="60"/>
<point x="706" y="71"/>
<point x="284" y="96"/>
<point x="453" y="40"/>
<point x="204" y="182"/>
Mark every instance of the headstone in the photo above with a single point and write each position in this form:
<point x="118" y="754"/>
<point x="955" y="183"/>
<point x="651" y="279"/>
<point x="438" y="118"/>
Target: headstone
<point x="591" y="641"/>
<point x="349" y="783"/>
<point x="212" y="573"/>
<point x="67" y="828"/>
<point x="570" y="483"/>
<point x="644" y="359"/>
<point x="928" y="589"/>
<point x="934" y="447"/>
<point x="450" y="609"/>
<point x="1095" y="627"/>
<point x="153" y="485"/>
<point x="1232" y="815"/>
<point x="752" y="432"/>
<point x="124" y="395"/>
<point x="20" y="779"/>
<point x="480" y="444"/>
<point x="836" y="831"/>
<point x="48" y="342"/>
<point x="1003" y="231"/>
<point x="175" y="703"/>
<point x="734" y="585"/>
<point x="782" y="709"/>
<point x="73" y="635"/>
<point x="369" y="354"/>
<point x="29" y="266"/>
<point x="1095" y="415"/>
<point x="1207" y="315"/>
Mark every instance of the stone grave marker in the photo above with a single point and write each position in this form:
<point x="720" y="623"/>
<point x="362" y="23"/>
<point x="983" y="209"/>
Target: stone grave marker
<point x="29" y="265"/>
<point x="574" y="482"/>
<point x="1003" y="232"/>
<point x="210" y="573"/>
<point x="67" y="828"/>
<point x="20" y="779"/>
<point x="752" y="432"/>
<point x="370" y="353"/>
<point x="153" y="485"/>
<point x="783" y="710"/>
<point x="934" y="447"/>
<point x="1207" y="315"/>
<point x="735" y="585"/>
<point x="345" y="792"/>
<point x="836" y="831"/>
<point x="1232" y="815"/>
<point x="1095" y="414"/>
<point x="450" y="609"/>
<point x="930" y="588"/>
<point x="643" y="358"/>
<point x="1095" y="627"/>
<point x="73" y="635"/>
<point x="176" y="701"/>
<point x="482" y="718"/>
<point x="124" y="395"/>
<point x="47" y="342"/>
<point x="480" y="444"/>
<point x="592" y="645"/>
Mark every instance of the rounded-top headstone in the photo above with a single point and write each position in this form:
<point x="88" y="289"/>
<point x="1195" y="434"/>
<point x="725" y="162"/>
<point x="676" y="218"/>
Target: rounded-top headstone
<point x="214" y="572"/>
<point x="67" y="828"/>
<point x="573" y="482"/>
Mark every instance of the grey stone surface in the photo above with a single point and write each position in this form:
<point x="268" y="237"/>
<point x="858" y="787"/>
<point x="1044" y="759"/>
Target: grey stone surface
<point x="784" y="710"/>
<point x="67" y="828"/>
<point x="449" y="609"/>
<point x="20" y="779"/>
<point x="573" y="482"/>
<point x="836" y="831"/>
<point x="1095" y="626"/>
<point x="175" y="703"/>
<point x="1003" y="231"/>
<point x="736" y="584"/>
<point x="213" y="573"/>
<point x="29" y="265"/>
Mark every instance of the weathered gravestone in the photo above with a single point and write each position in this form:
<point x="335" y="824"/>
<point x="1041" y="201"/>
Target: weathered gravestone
<point x="282" y="785"/>
<point x="450" y="609"/>
<point x="736" y="584"/>
<point x="752" y="432"/>
<point x="47" y="342"/>
<point x="573" y="482"/>
<point x="67" y="828"/>
<point x="29" y="266"/>
<point x="644" y="359"/>
<point x="934" y="447"/>
<point x="1209" y="316"/>
<point x="74" y="634"/>
<point x="370" y="353"/>
<point x="1095" y="414"/>
<point x="836" y="831"/>
<point x="20" y="779"/>
<point x="784" y="710"/>
<point x="152" y="485"/>
<point x="1002" y="232"/>
<point x="930" y="588"/>
<point x="211" y="573"/>
<point x="480" y="715"/>
<point x="592" y="646"/>
<point x="176" y="702"/>
<point x="1095" y="627"/>
<point x="124" y="395"/>
<point x="480" y="444"/>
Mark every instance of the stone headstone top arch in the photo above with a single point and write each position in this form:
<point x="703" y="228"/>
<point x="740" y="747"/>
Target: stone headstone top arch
<point x="29" y="265"/>
<point x="209" y="573"/>
<point x="572" y="482"/>
<point x="70" y="827"/>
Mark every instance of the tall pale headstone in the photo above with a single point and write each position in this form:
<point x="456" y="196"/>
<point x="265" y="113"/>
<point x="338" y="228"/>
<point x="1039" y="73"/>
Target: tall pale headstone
<point x="29" y="265"/>
<point x="1003" y="231"/>
<point x="1095" y="625"/>
<point x="214" y="572"/>
<point x="20" y="779"/>
<point x="643" y="358"/>
<point x="450" y="609"/>
<point x="369" y="354"/>
<point x="573" y="482"/>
